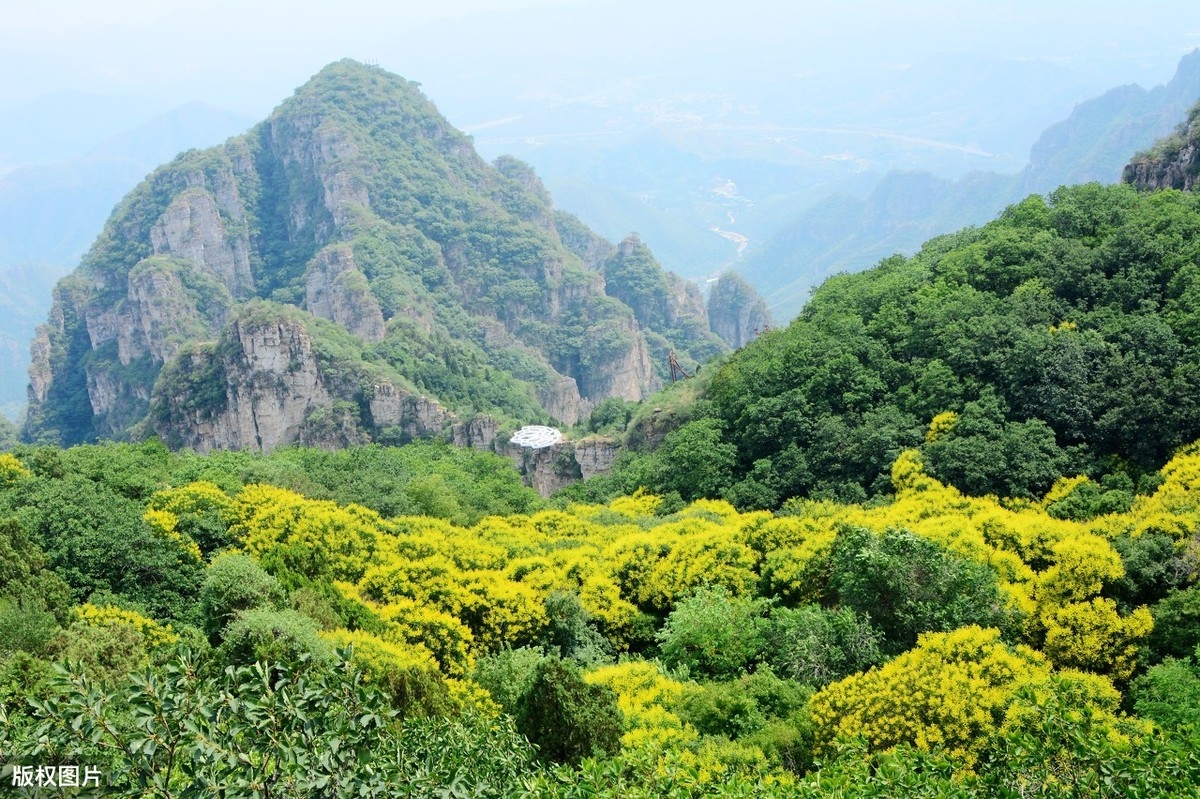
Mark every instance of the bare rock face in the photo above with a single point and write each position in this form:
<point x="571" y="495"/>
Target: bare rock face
<point x="411" y="416"/>
<point x="272" y="383"/>
<point x="736" y="312"/>
<point x="336" y="290"/>
<point x="479" y="432"/>
<point x="39" y="371"/>
<point x="561" y="400"/>
<point x="555" y="467"/>
<point x="595" y="456"/>
<point x="626" y="371"/>
<point x="192" y="228"/>
<point x="548" y="469"/>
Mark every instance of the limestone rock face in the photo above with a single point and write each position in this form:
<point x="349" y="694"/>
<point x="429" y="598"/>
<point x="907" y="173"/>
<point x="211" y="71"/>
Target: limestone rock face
<point x="272" y="383"/>
<point x="39" y="371"/>
<point x="626" y="371"/>
<point x="336" y="290"/>
<point x="192" y="228"/>
<point x="548" y="469"/>
<point x="478" y="432"/>
<point x="595" y="456"/>
<point x="412" y="416"/>
<point x="736" y="312"/>
<point x="560" y="397"/>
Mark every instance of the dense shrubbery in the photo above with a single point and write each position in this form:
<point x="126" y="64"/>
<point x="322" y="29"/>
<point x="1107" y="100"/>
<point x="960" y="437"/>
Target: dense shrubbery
<point x="935" y="644"/>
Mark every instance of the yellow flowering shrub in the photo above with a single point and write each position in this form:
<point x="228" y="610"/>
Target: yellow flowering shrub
<point x="615" y="616"/>
<point x="502" y="613"/>
<point x="952" y="692"/>
<point x="315" y="538"/>
<point x="641" y="505"/>
<point x="154" y="634"/>
<point x="11" y="470"/>
<point x="1082" y="565"/>
<point x="1092" y="636"/>
<point x="165" y="524"/>
<point x="447" y="638"/>
<point x="645" y="696"/>
<point x="408" y="672"/>
<point x="704" y="555"/>
<point x="940" y="425"/>
<point x="202" y="512"/>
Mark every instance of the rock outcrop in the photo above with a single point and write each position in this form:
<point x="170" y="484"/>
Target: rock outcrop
<point x="735" y="311"/>
<point x="595" y="456"/>
<point x="1173" y="163"/>
<point x="335" y="289"/>
<point x="350" y="270"/>
<point x="555" y="467"/>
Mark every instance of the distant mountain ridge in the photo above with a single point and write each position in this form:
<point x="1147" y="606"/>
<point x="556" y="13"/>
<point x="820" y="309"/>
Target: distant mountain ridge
<point x="50" y="212"/>
<point x="349" y="270"/>
<point x="845" y="233"/>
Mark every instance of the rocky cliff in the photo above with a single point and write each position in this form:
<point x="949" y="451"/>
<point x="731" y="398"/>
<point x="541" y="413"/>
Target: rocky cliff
<point x="349" y="270"/>
<point x="735" y="311"/>
<point x="669" y="309"/>
<point x="1173" y="163"/>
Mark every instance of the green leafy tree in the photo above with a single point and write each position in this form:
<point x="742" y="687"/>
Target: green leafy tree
<point x="566" y="718"/>
<point x="815" y="645"/>
<point x="713" y="634"/>
<point x="907" y="585"/>
<point x="1169" y="694"/>
<point x="232" y="584"/>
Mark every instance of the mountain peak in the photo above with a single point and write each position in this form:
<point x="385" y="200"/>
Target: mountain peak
<point x="349" y="270"/>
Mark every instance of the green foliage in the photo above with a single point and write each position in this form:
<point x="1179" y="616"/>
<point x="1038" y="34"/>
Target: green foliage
<point x="1090" y="499"/>
<point x="91" y="535"/>
<point x="985" y="454"/>
<point x="508" y="675"/>
<point x="455" y="483"/>
<point x="1070" y="750"/>
<point x="611" y="416"/>
<point x="1154" y="566"/>
<point x="1176" y="630"/>
<point x="1062" y="334"/>
<point x="571" y="633"/>
<point x="174" y="733"/>
<point x="1169" y="694"/>
<point x="712" y="633"/>
<point x="25" y="582"/>
<point x="815" y="646"/>
<point x="566" y="718"/>
<point x="9" y="434"/>
<point x="274" y="636"/>
<point x="907" y="585"/>
<point x="106" y="653"/>
<point x="232" y="584"/>
<point x="25" y="628"/>
<point x="723" y="708"/>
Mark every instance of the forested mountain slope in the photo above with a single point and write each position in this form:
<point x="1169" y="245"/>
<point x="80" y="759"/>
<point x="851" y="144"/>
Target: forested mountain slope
<point x="349" y="270"/>
<point x="1062" y="338"/>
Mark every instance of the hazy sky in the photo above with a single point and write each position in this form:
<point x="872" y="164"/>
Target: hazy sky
<point x="249" y="54"/>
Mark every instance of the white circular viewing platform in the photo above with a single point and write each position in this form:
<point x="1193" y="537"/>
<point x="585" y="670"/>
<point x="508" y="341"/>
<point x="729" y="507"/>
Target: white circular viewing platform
<point x="536" y="436"/>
